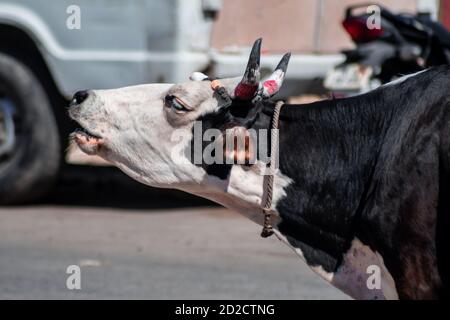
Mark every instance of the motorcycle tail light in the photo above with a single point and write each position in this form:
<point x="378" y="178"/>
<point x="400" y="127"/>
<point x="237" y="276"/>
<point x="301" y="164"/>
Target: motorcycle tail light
<point x="359" y="30"/>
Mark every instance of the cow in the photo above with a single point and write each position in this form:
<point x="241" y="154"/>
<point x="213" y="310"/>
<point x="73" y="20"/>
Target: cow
<point x="361" y="187"/>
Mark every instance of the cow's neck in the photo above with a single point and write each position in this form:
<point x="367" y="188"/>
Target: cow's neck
<point x="313" y="159"/>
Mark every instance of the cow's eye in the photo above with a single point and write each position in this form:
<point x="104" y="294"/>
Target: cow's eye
<point x="175" y="103"/>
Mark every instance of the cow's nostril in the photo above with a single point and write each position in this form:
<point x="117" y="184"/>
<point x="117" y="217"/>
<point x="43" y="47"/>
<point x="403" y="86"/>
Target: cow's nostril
<point x="79" y="97"/>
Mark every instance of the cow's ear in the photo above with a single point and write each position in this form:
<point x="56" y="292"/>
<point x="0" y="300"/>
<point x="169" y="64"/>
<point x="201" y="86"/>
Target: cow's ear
<point x="198" y="76"/>
<point x="272" y="84"/>
<point x="239" y="146"/>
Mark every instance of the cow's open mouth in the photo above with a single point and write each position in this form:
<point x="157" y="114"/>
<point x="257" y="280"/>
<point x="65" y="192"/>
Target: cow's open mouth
<point x="87" y="141"/>
<point x="86" y="133"/>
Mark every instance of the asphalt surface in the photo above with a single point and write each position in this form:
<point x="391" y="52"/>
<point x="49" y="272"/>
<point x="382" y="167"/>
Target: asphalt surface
<point x="144" y="245"/>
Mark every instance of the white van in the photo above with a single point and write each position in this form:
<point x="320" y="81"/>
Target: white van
<point x="50" y="49"/>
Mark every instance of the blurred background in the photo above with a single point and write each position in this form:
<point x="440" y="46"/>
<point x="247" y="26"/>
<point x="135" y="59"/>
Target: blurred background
<point x="60" y="207"/>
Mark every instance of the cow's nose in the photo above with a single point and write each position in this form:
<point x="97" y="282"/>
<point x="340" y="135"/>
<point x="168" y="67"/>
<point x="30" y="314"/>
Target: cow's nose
<point x="79" y="97"/>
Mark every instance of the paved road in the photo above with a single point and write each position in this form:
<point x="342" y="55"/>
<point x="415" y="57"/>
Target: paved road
<point x="134" y="242"/>
<point x="206" y="253"/>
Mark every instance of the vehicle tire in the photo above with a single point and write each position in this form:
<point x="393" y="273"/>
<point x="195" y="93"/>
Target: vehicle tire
<point x="29" y="143"/>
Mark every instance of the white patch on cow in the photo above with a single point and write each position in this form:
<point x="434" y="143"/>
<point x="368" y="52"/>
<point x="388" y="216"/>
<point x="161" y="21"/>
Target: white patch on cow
<point x="248" y="183"/>
<point x="351" y="277"/>
<point x="244" y="191"/>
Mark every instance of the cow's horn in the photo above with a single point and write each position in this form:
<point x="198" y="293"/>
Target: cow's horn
<point x="273" y="83"/>
<point x="248" y="86"/>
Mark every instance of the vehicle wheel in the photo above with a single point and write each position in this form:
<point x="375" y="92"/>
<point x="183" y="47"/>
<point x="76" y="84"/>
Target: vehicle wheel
<point x="29" y="143"/>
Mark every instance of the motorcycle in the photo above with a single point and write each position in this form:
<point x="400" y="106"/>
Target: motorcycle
<point x="402" y="44"/>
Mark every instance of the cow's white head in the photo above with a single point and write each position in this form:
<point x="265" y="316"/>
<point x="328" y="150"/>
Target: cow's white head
<point x="147" y="130"/>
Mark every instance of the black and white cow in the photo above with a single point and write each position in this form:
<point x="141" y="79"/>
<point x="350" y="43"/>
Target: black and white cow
<point x="362" y="184"/>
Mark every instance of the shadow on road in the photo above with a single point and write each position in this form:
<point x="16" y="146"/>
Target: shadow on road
<point x="109" y="187"/>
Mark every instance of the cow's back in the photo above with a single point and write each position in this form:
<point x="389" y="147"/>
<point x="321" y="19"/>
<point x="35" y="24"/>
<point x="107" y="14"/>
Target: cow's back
<point x="408" y="212"/>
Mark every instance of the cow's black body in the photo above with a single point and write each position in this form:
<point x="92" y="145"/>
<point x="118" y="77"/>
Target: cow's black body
<point x="374" y="167"/>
